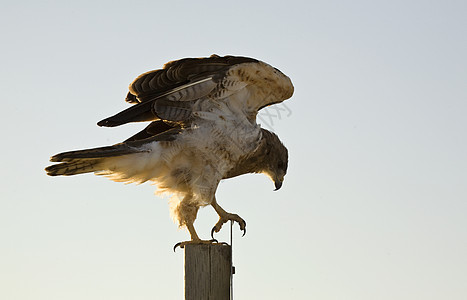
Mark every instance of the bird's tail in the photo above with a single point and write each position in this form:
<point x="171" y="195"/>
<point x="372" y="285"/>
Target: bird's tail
<point x="88" y="160"/>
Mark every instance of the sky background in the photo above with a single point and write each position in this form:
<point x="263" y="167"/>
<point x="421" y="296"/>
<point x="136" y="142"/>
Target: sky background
<point x="374" y="203"/>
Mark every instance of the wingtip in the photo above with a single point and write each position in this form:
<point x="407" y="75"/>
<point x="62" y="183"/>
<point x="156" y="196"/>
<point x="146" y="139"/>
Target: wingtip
<point x="51" y="171"/>
<point x="107" y="123"/>
<point x="102" y="123"/>
<point x="55" y="158"/>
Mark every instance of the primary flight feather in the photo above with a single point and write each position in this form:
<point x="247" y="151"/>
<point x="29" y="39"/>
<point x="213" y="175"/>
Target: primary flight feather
<point x="203" y="129"/>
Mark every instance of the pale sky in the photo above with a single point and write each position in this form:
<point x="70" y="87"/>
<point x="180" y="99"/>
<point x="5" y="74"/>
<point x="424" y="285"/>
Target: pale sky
<point x="374" y="203"/>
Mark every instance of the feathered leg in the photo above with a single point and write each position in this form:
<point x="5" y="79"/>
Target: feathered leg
<point x="186" y="213"/>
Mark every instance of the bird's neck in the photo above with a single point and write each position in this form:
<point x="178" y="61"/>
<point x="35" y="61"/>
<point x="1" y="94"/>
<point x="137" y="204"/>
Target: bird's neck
<point x="251" y="163"/>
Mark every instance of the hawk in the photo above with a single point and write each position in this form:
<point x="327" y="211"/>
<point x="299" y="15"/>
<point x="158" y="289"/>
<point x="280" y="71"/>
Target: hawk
<point x="202" y="114"/>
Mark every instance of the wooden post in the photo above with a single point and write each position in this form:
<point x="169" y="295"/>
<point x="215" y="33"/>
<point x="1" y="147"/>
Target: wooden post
<point x="208" y="270"/>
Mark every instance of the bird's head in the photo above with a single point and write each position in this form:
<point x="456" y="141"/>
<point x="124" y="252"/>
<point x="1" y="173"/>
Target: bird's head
<point x="276" y="159"/>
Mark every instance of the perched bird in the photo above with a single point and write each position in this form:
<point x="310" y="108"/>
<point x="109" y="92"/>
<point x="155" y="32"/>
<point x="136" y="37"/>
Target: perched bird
<point x="203" y="129"/>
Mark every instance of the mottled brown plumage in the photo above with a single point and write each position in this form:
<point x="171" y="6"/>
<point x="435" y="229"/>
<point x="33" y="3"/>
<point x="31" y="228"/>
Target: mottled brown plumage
<point x="203" y="129"/>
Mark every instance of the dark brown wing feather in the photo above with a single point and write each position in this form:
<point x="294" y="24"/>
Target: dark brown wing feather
<point x="154" y="128"/>
<point x="157" y="94"/>
<point x="152" y="84"/>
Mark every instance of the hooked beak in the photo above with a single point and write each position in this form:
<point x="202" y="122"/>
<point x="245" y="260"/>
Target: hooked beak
<point x="278" y="184"/>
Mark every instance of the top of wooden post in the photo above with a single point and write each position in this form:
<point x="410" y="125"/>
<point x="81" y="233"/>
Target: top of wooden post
<point x="208" y="271"/>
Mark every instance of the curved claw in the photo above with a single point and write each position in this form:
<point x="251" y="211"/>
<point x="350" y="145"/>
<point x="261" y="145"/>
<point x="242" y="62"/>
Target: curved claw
<point x="178" y="244"/>
<point x="219" y="224"/>
<point x="212" y="232"/>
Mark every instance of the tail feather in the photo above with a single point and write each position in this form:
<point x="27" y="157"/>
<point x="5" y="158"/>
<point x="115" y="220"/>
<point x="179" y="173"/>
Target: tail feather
<point x="74" y="167"/>
<point x="88" y="160"/>
<point x="108" y="151"/>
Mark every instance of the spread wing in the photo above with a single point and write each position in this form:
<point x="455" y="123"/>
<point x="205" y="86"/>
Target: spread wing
<point x="167" y="96"/>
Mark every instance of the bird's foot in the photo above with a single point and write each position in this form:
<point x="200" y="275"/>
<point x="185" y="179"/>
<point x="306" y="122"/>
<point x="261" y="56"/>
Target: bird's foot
<point x="195" y="242"/>
<point x="224" y="218"/>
